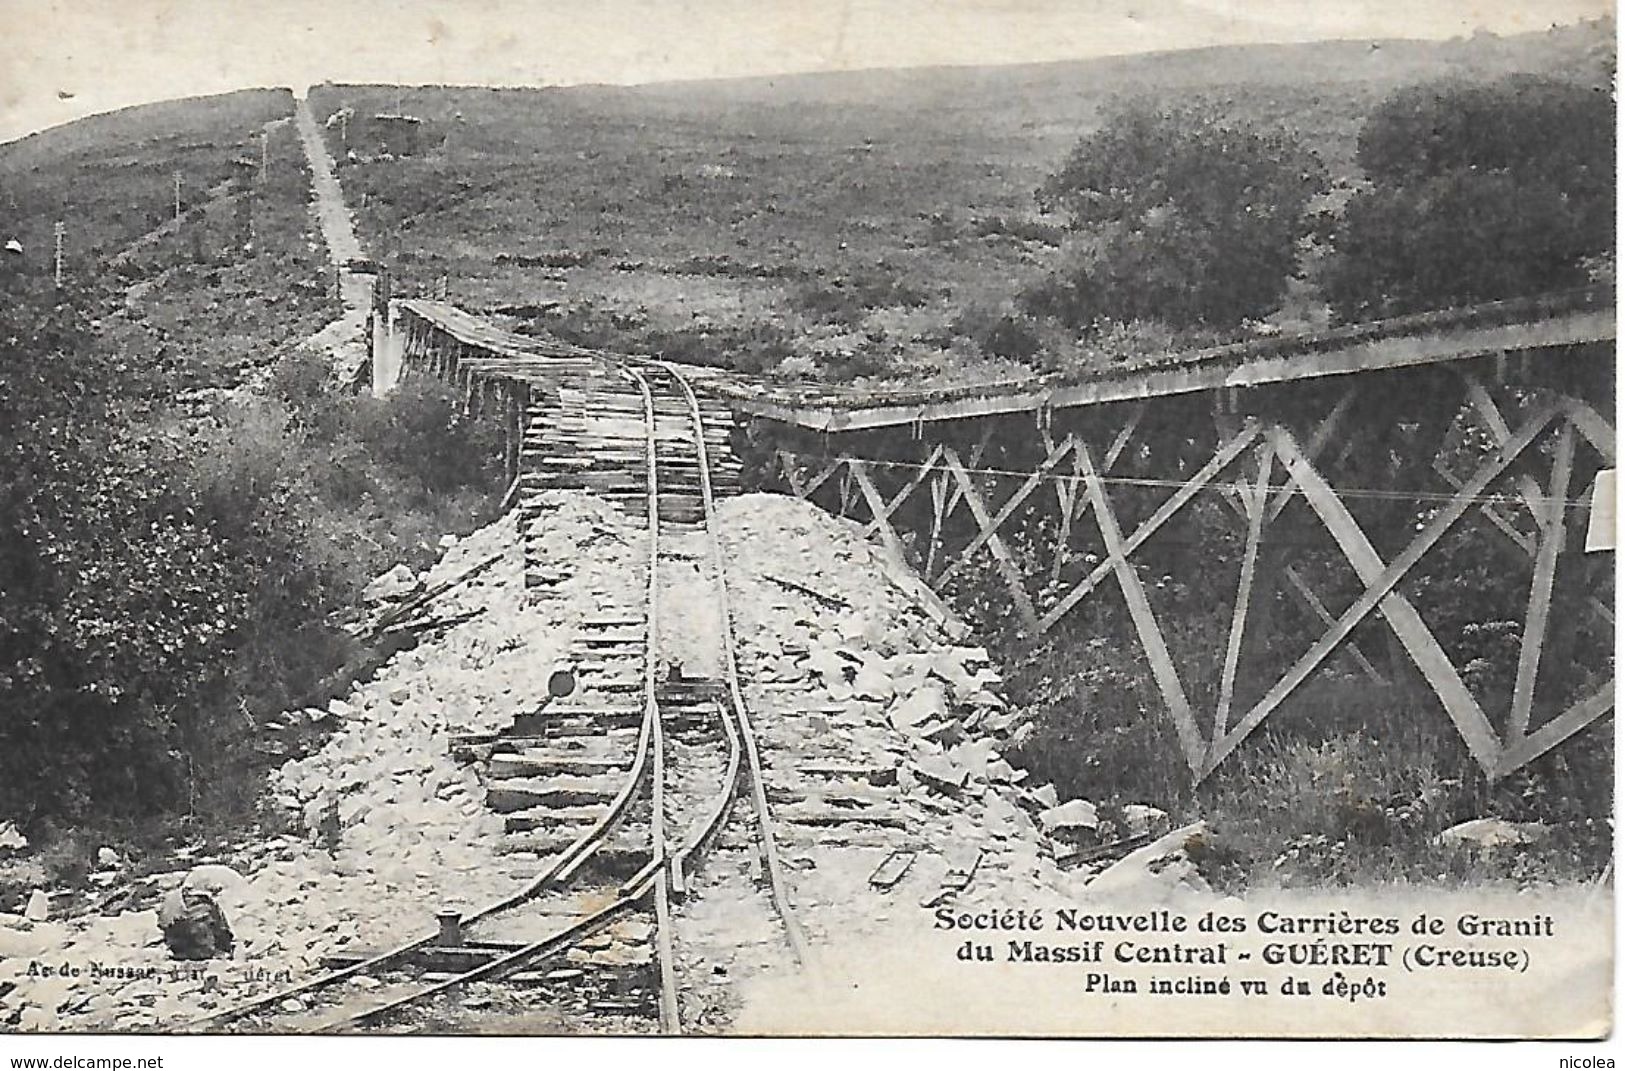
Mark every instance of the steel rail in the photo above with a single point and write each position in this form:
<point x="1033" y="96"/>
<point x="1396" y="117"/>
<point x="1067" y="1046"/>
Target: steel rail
<point x="664" y="870"/>
<point x="670" y="1016"/>
<point x="764" y="819"/>
<point x="562" y="867"/>
<point x="626" y="896"/>
<point x="649" y="760"/>
<point x="708" y="827"/>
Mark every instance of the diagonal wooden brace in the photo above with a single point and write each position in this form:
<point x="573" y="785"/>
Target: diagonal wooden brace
<point x="1490" y="415"/>
<point x="1323" y="435"/>
<point x="1252" y="503"/>
<point x="1584" y="711"/>
<point x="1003" y="559"/>
<point x="1145" y="621"/>
<point x="888" y="535"/>
<point x="1227" y="453"/>
<point x="883" y="516"/>
<point x="1380" y="581"/>
<point x="1593" y="427"/>
<point x="1551" y="517"/>
<point x="1056" y="456"/>
<point x="1072" y="505"/>
<point x="787" y="469"/>
<point x="939" y="511"/>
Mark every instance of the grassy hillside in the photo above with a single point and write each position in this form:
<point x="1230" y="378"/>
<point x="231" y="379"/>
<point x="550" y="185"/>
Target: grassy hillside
<point x="170" y="558"/>
<point x="242" y="282"/>
<point x="240" y="279"/>
<point x="110" y="177"/>
<point x="857" y="223"/>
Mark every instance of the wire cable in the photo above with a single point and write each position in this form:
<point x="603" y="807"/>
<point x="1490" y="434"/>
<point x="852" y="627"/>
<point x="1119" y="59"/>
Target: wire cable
<point x="1377" y="493"/>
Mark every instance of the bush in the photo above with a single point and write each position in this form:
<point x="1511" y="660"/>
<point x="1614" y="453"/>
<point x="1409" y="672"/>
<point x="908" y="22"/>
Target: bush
<point x="1097" y="730"/>
<point x="1188" y="218"/>
<point x="1479" y="192"/>
<point x="1002" y="332"/>
<point x="1344" y="785"/>
<point x="162" y="590"/>
<point x="1457" y="239"/>
<point x="1110" y="345"/>
<point x="1011" y="339"/>
<point x="1519" y="125"/>
<point x="752" y="348"/>
<point x="144" y="591"/>
<point x="850" y="298"/>
<point x="1361" y="792"/>
<point x="848" y="357"/>
<point x="421" y="431"/>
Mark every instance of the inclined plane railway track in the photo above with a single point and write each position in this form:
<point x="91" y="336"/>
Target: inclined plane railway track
<point x="596" y="917"/>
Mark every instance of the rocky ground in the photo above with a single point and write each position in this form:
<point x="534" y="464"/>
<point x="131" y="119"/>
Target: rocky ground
<point x="880" y="734"/>
<point x="412" y="833"/>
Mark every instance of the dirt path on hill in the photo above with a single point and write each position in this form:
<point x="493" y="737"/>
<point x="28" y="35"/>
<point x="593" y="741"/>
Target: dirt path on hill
<point x="338" y="230"/>
<point x="343" y="340"/>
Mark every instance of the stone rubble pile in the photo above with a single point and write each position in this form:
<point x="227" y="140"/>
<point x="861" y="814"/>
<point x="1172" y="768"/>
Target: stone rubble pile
<point x="414" y="832"/>
<point x="859" y="683"/>
<point x="343" y="341"/>
<point x="828" y="621"/>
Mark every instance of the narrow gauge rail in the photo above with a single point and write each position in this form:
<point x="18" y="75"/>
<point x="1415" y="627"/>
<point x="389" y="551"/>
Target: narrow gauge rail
<point x="375" y="990"/>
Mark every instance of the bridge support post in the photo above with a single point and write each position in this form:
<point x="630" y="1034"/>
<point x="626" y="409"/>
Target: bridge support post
<point x="386" y="345"/>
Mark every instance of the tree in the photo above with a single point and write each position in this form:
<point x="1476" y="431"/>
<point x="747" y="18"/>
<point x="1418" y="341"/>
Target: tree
<point x="1477" y="192"/>
<point x="1181" y="217"/>
<point x="68" y="722"/>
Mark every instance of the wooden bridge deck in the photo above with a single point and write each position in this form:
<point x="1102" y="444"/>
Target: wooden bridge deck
<point x="1512" y="328"/>
<point x="1497" y="329"/>
<point x="481" y="334"/>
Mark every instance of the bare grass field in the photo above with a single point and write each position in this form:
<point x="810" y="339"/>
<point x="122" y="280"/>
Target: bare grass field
<point x="110" y="178"/>
<point x="862" y="225"/>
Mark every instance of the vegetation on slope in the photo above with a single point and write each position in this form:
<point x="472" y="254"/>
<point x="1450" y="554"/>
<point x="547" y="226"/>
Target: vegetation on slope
<point x="1477" y="192"/>
<point x="173" y="561"/>
<point x="168" y="579"/>
<point x="166" y="583"/>
<point x="1182" y="218"/>
<point x="866" y="227"/>
<point x="110" y="178"/>
<point x="1353" y="779"/>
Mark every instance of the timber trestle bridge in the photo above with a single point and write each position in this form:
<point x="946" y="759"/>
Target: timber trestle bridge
<point x="1368" y="504"/>
<point x="1385" y="513"/>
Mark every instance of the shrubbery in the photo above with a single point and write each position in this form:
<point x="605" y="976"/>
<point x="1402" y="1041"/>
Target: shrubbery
<point x="850" y="298"/>
<point x="163" y="586"/>
<point x="1348" y="783"/>
<point x="1181" y="217"/>
<point x="1519" y="125"/>
<point x="1472" y="192"/>
<point x="1477" y="192"/>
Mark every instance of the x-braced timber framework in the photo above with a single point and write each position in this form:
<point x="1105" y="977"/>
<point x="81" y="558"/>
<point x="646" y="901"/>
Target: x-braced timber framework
<point x="1277" y="466"/>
